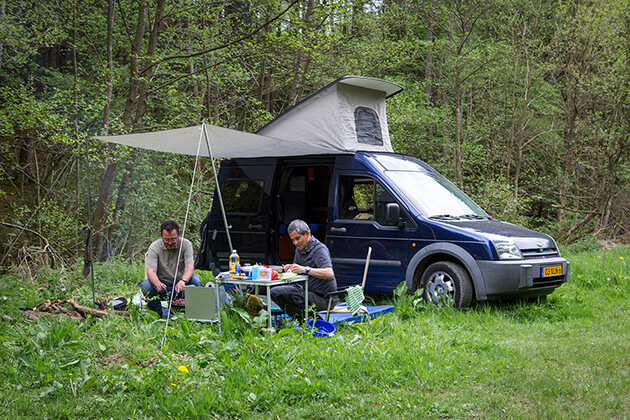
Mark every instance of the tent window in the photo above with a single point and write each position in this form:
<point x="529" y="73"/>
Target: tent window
<point x="242" y="196"/>
<point x="368" y="126"/>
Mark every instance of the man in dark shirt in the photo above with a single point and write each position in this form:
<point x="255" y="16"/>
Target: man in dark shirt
<point x="312" y="258"/>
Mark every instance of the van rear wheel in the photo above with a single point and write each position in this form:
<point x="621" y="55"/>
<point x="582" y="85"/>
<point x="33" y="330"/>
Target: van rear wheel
<point x="446" y="281"/>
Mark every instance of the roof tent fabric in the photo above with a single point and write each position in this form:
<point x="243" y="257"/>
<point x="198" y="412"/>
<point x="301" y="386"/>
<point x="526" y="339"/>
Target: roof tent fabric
<point x="346" y="116"/>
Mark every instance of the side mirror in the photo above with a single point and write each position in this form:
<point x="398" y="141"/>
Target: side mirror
<point x="392" y="215"/>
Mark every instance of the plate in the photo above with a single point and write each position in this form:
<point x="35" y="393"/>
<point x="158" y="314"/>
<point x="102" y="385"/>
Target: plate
<point x="552" y="270"/>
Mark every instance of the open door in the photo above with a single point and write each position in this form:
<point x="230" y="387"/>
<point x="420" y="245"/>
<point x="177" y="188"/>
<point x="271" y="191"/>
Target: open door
<point x="302" y="193"/>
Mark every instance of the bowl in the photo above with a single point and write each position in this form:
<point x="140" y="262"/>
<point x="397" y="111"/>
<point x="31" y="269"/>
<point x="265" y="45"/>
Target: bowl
<point x="321" y="328"/>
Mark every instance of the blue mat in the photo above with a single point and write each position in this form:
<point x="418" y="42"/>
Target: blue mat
<point x="373" y="312"/>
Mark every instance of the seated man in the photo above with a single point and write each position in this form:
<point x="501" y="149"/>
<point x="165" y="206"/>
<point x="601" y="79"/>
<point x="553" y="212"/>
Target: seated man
<point x="163" y="271"/>
<point x="313" y="259"/>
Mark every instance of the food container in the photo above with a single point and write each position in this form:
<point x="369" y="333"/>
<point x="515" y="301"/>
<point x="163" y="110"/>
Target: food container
<point x="264" y="273"/>
<point x="247" y="270"/>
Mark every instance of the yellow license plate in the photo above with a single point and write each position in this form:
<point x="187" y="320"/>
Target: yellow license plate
<point x="554" y="270"/>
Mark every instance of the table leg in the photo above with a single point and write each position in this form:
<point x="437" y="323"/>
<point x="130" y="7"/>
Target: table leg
<point x="217" y="305"/>
<point x="306" y="299"/>
<point x="269" y="305"/>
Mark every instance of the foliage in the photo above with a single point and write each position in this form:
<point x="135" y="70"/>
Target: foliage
<point x="523" y="105"/>
<point x="496" y="360"/>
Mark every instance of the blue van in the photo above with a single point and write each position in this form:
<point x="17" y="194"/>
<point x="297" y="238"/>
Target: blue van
<point x="329" y="161"/>
<point x="422" y="229"/>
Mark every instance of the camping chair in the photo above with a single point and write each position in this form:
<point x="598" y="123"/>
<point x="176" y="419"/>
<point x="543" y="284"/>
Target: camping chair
<point x="354" y="294"/>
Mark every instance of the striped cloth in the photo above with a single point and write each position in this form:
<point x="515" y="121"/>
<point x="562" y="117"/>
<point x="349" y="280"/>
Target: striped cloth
<point x="354" y="299"/>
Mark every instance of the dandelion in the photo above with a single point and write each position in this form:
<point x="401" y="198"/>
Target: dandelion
<point x="173" y="384"/>
<point x="621" y="258"/>
<point x="183" y="369"/>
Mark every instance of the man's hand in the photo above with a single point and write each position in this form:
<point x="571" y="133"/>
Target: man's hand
<point x="160" y="287"/>
<point x="294" y="268"/>
<point x="179" y="287"/>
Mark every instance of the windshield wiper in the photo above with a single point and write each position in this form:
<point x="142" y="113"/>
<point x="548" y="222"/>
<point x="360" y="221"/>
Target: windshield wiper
<point x="473" y="216"/>
<point x="443" y="217"/>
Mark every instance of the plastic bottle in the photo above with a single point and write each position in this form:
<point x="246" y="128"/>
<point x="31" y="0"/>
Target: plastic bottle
<point x="234" y="261"/>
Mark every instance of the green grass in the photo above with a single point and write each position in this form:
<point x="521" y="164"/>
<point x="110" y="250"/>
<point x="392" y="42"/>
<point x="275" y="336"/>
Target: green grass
<point x="566" y="356"/>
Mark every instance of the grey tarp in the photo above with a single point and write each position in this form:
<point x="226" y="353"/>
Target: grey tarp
<point x="346" y="116"/>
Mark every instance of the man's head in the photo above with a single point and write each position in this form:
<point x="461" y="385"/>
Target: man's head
<point x="170" y="234"/>
<point x="299" y="233"/>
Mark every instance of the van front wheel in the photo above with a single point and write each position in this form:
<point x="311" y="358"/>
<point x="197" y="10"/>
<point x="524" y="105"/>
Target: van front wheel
<point x="446" y="281"/>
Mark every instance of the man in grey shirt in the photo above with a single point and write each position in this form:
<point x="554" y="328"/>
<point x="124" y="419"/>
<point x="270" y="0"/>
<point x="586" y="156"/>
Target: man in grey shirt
<point x="163" y="270"/>
<point x="312" y="258"/>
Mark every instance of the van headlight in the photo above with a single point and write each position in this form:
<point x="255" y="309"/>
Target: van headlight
<point x="507" y="249"/>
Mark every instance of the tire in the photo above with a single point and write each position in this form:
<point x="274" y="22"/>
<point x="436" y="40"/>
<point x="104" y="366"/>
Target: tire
<point x="447" y="281"/>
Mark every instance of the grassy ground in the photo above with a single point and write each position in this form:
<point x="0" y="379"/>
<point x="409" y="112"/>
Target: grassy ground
<point x="567" y="356"/>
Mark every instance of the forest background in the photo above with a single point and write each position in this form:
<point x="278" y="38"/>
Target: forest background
<point x="524" y="104"/>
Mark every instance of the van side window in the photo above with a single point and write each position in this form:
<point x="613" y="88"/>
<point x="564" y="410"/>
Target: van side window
<point x="242" y="196"/>
<point x="363" y="198"/>
<point x="356" y="198"/>
<point x="383" y="197"/>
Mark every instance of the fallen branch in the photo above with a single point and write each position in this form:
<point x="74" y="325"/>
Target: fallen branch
<point x="84" y="310"/>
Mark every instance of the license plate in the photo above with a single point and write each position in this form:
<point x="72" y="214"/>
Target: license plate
<point x="554" y="270"/>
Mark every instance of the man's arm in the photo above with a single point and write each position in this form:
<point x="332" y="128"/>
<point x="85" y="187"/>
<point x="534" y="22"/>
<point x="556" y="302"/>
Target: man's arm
<point x="189" y="269"/>
<point x="325" y="273"/>
<point x="155" y="281"/>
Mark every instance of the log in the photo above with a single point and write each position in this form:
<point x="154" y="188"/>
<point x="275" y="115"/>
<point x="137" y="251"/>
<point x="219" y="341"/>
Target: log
<point x="84" y="310"/>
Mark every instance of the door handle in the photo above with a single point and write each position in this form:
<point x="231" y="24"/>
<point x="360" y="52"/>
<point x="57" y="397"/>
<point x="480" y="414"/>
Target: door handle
<point x="337" y="230"/>
<point x="254" y="227"/>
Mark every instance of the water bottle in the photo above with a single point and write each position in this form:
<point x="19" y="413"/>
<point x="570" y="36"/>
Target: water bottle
<point x="234" y="261"/>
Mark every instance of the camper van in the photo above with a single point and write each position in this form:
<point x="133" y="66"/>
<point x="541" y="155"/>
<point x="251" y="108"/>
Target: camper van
<point x="339" y="173"/>
<point x="328" y="160"/>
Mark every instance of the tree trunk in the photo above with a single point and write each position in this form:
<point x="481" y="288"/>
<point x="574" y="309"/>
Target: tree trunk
<point x="428" y="76"/>
<point x="568" y="158"/>
<point x="108" y="248"/>
<point x="110" y="66"/>
<point x="100" y="217"/>
<point x="520" y="139"/>
<point x="149" y="69"/>
<point x="134" y="75"/>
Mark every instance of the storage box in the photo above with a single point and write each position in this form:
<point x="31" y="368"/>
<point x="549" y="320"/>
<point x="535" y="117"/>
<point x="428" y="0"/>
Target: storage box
<point x="261" y="273"/>
<point x="264" y="273"/>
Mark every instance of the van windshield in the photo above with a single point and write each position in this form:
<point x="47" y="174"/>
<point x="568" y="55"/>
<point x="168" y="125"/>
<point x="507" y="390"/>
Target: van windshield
<point x="435" y="196"/>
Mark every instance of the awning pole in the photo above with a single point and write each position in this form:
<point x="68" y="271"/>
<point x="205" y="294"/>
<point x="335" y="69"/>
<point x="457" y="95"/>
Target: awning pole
<point x="216" y="182"/>
<point x="181" y="247"/>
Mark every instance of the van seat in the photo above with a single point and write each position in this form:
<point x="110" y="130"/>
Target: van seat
<point x="293" y="206"/>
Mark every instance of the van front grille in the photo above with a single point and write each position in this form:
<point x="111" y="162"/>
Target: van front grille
<point x="532" y="253"/>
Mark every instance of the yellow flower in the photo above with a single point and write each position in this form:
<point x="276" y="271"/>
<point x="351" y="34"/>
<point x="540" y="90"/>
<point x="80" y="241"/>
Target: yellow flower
<point x="173" y="384"/>
<point x="621" y="258"/>
<point x="183" y="369"/>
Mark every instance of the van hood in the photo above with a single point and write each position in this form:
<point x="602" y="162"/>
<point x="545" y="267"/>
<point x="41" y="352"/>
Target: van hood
<point x="523" y="237"/>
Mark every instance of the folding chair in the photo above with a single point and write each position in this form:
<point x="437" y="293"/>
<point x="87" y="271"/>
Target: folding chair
<point x="354" y="294"/>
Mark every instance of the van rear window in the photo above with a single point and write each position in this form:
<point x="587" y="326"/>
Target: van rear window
<point x="242" y="196"/>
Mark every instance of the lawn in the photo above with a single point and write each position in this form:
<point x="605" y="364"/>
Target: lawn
<point x="566" y="356"/>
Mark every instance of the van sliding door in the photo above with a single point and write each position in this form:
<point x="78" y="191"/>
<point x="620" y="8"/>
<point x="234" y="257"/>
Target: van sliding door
<point x="360" y="223"/>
